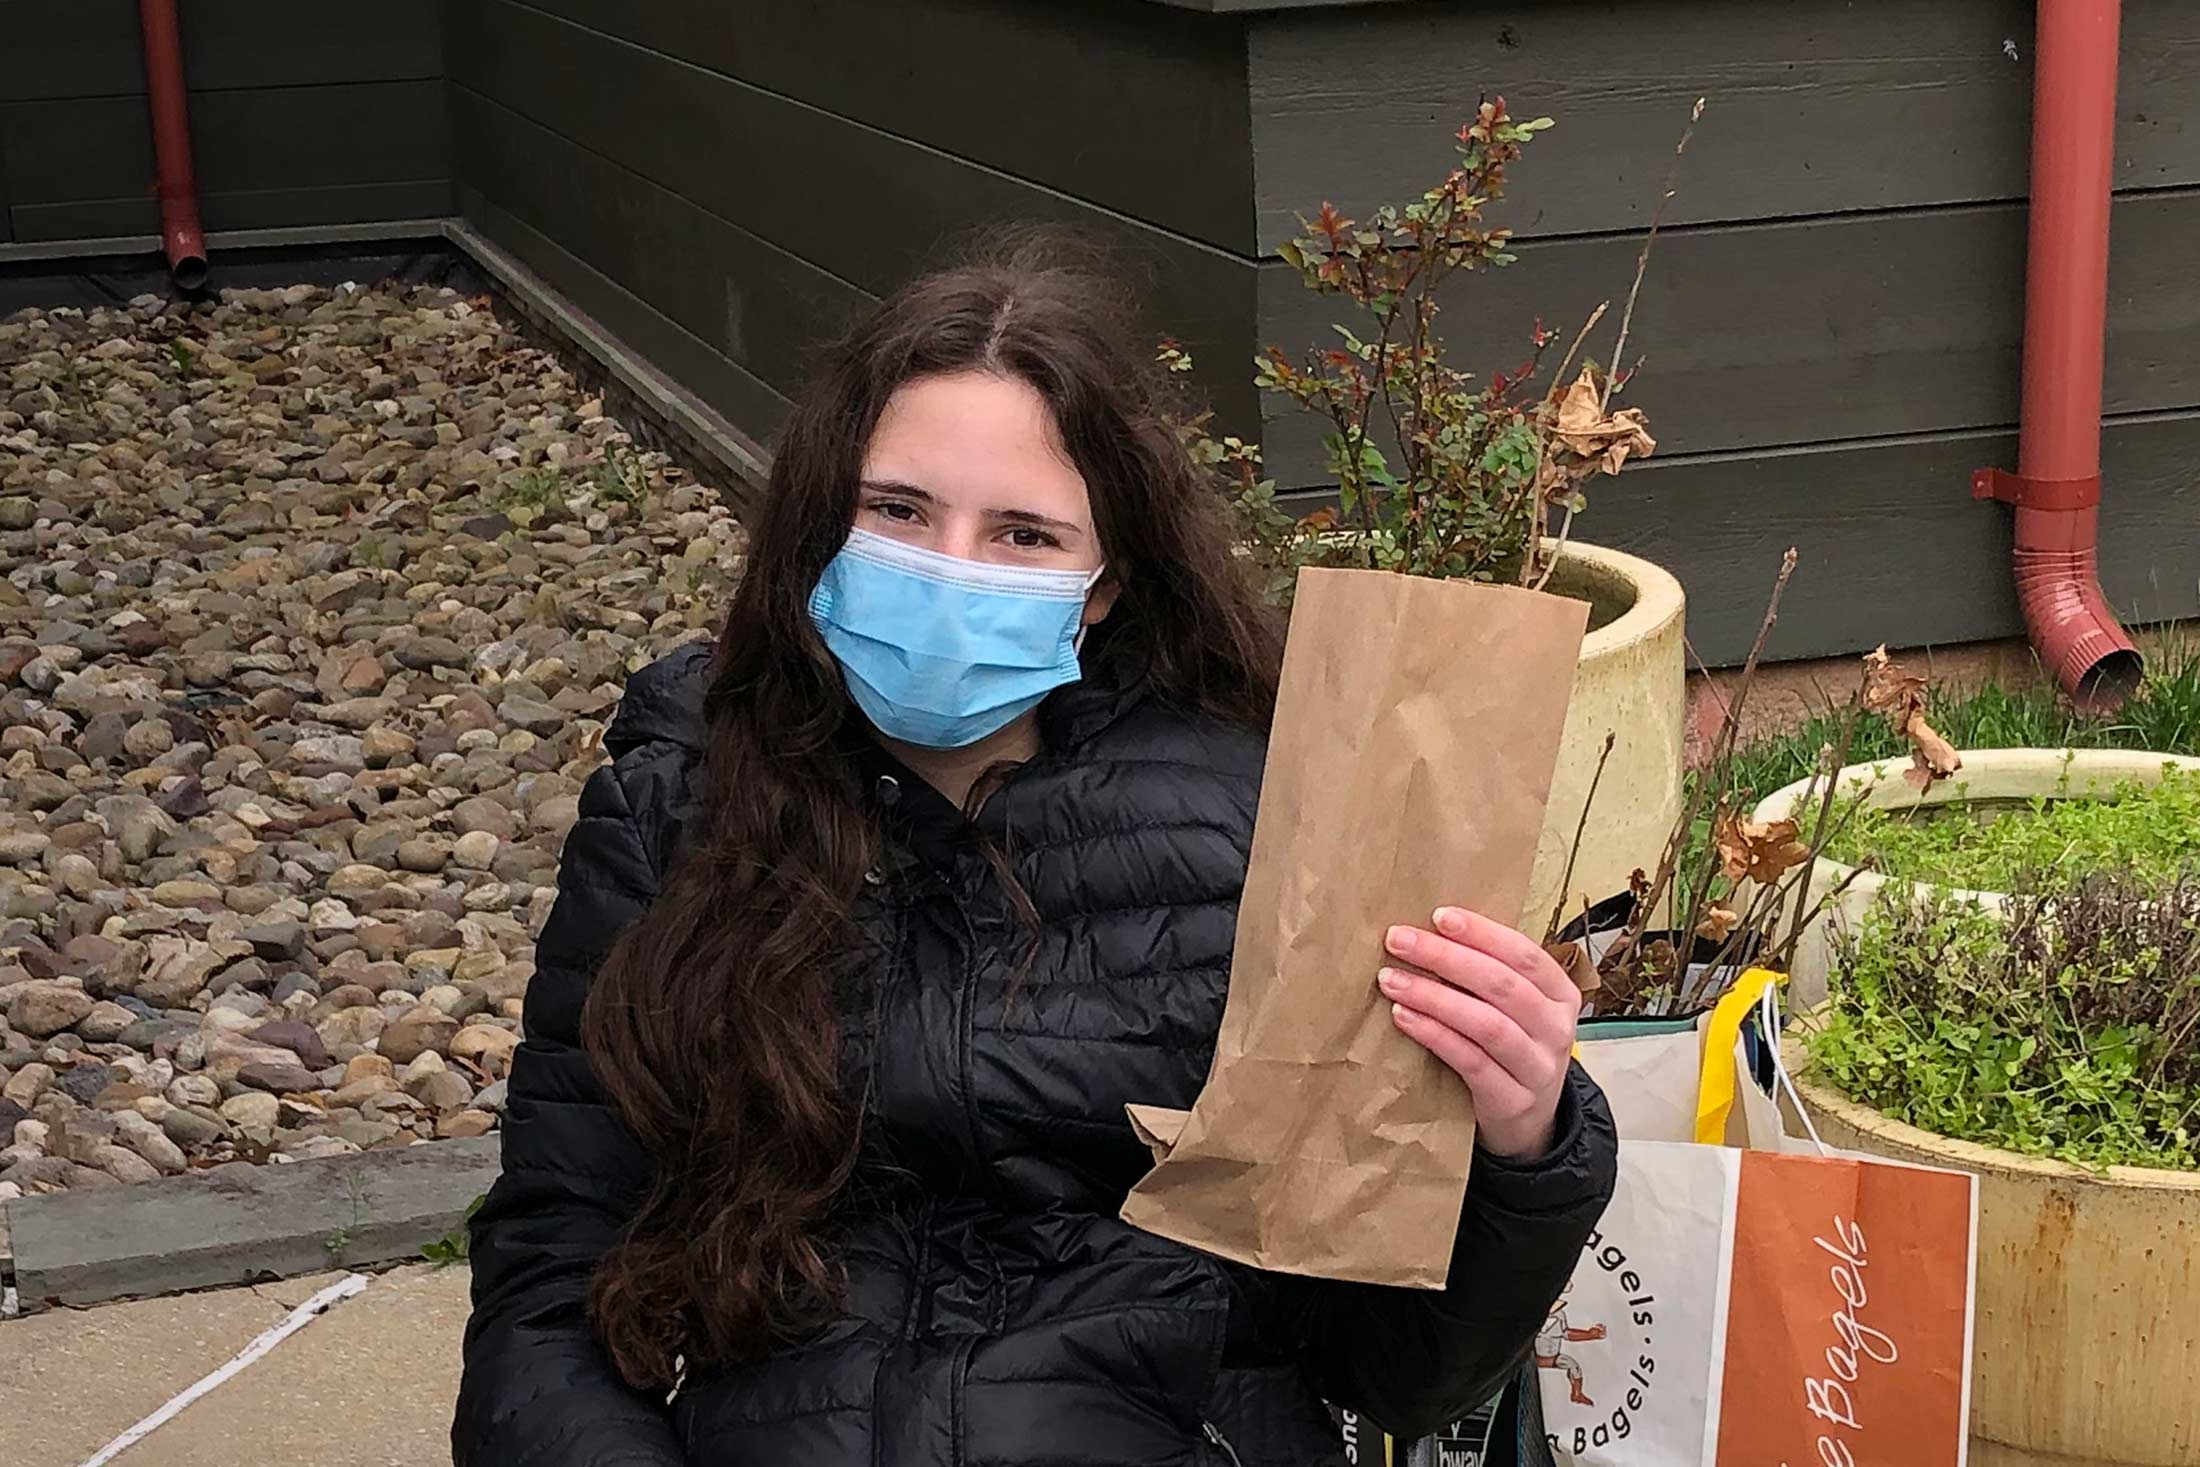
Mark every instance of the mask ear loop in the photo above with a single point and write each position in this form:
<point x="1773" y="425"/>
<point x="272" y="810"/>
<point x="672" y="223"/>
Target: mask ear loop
<point x="1769" y="1025"/>
<point x="1077" y="643"/>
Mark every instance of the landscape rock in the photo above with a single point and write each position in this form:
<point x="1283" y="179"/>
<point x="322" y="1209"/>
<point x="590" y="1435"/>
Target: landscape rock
<point x="150" y="1142"/>
<point x="416" y="1031"/>
<point x="43" y="1010"/>
<point x="27" y="1084"/>
<point x="486" y="1045"/>
<point x="254" y="1109"/>
<point x="296" y="1036"/>
<point x="192" y="1131"/>
<point x="106" y="1022"/>
<point x="306" y="652"/>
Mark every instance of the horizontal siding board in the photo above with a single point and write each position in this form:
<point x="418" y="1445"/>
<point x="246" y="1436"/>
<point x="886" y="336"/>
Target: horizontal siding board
<point x="1814" y="109"/>
<point x="863" y="205"/>
<point x="1137" y="107"/>
<point x="1892" y="547"/>
<point x="649" y="333"/>
<point x="760" y="307"/>
<point x="247" y="141"/>
<point x="280" y="208"/>
<point x="92" y="48"/>
<point x="1864" y="326"/>
<point x="1245" y="7"/>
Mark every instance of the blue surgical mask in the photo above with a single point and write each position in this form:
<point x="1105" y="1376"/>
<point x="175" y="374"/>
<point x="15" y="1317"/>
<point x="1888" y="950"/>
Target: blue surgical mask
<point x="939" y="651"/>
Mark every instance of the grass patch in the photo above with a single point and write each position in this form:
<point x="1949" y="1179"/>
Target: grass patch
<point x="2164" y="715"/>
<point x="1990" y="847"/>
<point x="620" y="478"/>
<point x="534" y="494"/>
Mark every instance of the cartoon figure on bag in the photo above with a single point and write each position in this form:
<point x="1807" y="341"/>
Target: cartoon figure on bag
<point x="1550" y="1342"/>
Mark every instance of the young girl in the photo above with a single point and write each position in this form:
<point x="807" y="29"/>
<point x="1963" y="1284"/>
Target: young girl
<point x="885" y="906"/>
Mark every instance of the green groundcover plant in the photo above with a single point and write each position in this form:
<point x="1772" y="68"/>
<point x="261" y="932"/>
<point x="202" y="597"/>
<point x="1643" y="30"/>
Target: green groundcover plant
<point x="2153" y="830"/>
<point x="2067" y="1030"/>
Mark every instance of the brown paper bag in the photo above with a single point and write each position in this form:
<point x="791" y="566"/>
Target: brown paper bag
<point x="1411" y="758"/>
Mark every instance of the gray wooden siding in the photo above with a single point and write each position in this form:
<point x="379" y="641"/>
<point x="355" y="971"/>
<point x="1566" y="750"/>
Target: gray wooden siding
<point x="755" y="217"/>
<point x="1815" y="109"/>
<point x="1120" y="104"/>
<point x="1893" y="547"/>
<point x="324" y="114"/>
<point x="1831" y="331"/>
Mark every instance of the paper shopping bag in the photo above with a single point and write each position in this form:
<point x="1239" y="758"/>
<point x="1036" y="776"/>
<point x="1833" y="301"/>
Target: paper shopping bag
<point x="1651" y="1072"/>
<point x="1415" y="735"/>
<point x="1736" y="1308"/>
<point x="1679" y="1079"/>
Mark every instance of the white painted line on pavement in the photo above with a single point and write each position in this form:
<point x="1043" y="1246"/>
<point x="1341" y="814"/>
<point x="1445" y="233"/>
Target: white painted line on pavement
<point x="298" y="1319"/>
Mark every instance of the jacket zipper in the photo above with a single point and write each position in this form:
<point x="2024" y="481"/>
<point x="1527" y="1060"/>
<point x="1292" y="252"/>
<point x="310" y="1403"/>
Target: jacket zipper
<point x="1214" y="1434"/>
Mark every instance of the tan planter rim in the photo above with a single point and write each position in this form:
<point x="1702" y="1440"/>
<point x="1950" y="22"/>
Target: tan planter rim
<point x="1971" y="1156"/>
<point x="1655" y="595"/>
<point x="1652" y="595"/>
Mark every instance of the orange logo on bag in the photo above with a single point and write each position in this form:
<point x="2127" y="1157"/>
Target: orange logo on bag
<point x="1884" y="1379"/>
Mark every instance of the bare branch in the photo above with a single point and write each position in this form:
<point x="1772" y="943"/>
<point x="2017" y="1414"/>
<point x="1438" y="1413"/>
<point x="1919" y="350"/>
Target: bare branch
<point x="1642" y="261"/>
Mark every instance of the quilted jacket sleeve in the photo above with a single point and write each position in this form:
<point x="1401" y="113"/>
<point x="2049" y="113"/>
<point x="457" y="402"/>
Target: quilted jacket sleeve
<point x="1412" y="1360"/>
<point x="538" y="1391"/>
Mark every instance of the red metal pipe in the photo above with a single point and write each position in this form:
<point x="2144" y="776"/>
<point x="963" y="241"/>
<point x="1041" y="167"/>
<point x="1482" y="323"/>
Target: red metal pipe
<point x="180" y="235"/>
<point x="2057" y="486"/>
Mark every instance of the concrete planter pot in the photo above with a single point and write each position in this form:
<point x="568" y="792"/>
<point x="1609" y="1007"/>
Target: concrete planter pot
<point x="1988" y="776"/>
<point x="2088" y="1313"/>
<point x="1631" y="682"/>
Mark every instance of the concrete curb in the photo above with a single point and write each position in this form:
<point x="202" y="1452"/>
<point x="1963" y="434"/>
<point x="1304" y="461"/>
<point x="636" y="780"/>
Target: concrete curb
<point x="234" y="1224"/>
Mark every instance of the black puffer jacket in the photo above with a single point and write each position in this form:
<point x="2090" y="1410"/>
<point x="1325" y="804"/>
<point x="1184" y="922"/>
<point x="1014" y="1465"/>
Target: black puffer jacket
<point x="999" y="1314"/>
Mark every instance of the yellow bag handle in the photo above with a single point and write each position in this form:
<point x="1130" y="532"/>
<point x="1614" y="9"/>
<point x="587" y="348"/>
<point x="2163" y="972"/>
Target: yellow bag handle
<point x="1715" y="1092"/>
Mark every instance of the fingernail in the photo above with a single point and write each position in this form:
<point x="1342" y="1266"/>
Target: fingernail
<point x="1398" y="939"/>
<point x="1401" y="1013"/>
<point x="1391" y="980"/>
<point x="1450" y="921"/>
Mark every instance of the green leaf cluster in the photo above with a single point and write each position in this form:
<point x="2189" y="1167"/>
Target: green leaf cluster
<point x="1439" y="472"/>
<point x="2065" y="1030"/>
<point x="1987" y="846"/>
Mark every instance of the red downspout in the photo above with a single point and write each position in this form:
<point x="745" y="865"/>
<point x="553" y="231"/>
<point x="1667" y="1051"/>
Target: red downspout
<point x="2057" y="486"/>
<point x="180" y="235"/>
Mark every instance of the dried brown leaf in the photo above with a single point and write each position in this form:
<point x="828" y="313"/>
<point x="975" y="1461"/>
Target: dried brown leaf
<point x="1574" y="958"/>
<point x="1759" y="851"/>
<point x="1717" y="923"/>
<point x="1899" y="696"/>
<point x="1891" y="690"/>
<point x="1932" y="757"/>
<point x="1604" y="441"/>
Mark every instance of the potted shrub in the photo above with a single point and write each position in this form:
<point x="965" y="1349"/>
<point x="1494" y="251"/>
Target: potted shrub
<point x="1440" y="472"/>
<point x="1422" y="703"/>
<point x="2050" y="1047"/>
<point x="2010" y="809"/>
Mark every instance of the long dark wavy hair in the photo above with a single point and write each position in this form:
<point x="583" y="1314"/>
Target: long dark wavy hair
<point x="714" y="1025"/>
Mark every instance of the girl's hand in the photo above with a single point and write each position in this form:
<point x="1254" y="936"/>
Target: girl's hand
<point x="1499" y="1011"/>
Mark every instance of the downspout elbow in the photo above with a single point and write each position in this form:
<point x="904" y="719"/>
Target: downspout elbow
<point x="2055" y="563"/>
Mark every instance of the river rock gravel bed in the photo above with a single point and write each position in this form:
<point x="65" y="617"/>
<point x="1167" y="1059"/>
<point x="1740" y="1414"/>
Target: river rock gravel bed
<point x="315" y="604"/>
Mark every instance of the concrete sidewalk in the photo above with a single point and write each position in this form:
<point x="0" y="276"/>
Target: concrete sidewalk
<point x="367" y="1384"/>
